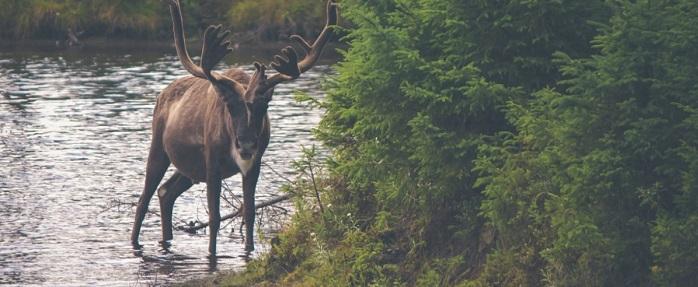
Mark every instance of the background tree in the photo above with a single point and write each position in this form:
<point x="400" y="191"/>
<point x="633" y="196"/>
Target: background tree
<point x="507" y="143"/>
<point x="600" y="173"/>
<point x="422" y="89"/>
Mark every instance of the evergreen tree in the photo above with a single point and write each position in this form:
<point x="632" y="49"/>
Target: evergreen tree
<point x="606" y="167"/>
<point x="421" y="90"/>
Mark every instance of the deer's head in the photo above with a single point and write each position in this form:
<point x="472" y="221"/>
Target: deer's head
<point x="248" y="103"/>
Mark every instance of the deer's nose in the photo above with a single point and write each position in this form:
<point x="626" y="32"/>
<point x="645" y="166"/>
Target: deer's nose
<point x="247" y="149"/>
<point x="246" y="146"/>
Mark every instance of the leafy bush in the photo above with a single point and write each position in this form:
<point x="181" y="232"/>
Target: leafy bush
<point x="508" y="143"/>
<point x="604" y="167"/>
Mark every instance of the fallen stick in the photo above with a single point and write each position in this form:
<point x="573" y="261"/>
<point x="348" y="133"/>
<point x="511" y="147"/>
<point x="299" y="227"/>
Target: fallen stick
<point x="263" y="204"/>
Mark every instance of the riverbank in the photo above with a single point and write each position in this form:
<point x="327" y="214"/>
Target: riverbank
<point x="225" y="279"/>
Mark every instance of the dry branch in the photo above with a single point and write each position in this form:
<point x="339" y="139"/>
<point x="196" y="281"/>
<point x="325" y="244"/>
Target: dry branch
<point x="263" y="204"/>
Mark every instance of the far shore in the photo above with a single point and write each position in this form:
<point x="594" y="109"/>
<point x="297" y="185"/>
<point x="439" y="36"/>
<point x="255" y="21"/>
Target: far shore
<point x="246" y="52"/>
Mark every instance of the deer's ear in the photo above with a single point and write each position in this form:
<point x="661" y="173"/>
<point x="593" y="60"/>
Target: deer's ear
<point x="227" y="89"/>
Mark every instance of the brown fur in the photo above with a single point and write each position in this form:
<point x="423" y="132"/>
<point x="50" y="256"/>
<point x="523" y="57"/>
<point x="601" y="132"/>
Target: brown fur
<point x="211" y="126"/>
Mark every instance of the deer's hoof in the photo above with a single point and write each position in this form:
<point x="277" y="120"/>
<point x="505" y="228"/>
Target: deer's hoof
<point x="165" y="244"/>
<point x="136" y="245"/>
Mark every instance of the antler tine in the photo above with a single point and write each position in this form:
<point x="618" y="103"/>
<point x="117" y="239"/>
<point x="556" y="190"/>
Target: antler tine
<point x="313" y="51"/>
<point x="214" y="49"/>
<point x="180" y="42"/>
<point x="287" y="64"/>
<point x="258" y="82"/>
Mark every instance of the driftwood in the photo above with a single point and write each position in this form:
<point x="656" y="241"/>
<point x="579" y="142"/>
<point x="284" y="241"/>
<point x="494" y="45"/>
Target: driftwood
<point x="263" y="204"/>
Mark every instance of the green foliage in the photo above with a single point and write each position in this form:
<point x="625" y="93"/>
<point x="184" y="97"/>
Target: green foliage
<point x="21" y="18"/>
<point x="271" y="18"/>
<point x="596" y="165"/>
<point x="421" y="91"/>
<point x="151" y="18"/>
<point x="509" y="143"/>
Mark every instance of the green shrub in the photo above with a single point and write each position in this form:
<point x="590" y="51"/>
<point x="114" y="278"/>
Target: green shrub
<point x="596" y="163"/>
<point x="508" y="143"/>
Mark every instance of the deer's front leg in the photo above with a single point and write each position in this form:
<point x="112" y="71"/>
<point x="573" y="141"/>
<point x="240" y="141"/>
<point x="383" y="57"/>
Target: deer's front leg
<point x="249" y="185"/>
<point x="213" y="195"/>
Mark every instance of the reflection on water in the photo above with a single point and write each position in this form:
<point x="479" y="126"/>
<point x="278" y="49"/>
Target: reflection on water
<point x="74" y="135"/>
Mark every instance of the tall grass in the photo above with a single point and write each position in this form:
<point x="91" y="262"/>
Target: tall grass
<point x="150" y="18"/>
<point x="270" y="18"/>
<point x="51" y="18"/>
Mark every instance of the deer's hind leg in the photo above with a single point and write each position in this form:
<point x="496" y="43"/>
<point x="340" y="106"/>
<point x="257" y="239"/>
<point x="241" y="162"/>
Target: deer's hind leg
<point x="167" y="194"/>
<point x="157" y="165"/>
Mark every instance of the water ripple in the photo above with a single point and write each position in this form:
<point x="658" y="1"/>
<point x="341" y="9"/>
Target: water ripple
<point x="74" y="135"/>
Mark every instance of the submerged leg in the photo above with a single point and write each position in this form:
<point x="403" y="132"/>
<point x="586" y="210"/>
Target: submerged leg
<point x="157" y="165"/>
<point x="213" y="195"/>
<point x="167" y="194"/>
<point x="249" y="184"/>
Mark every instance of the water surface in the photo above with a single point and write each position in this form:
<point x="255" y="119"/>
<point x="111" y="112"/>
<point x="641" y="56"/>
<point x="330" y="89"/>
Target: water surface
<point x="74" y="136"/>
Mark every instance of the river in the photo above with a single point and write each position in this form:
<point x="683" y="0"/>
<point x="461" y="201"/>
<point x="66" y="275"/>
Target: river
<point x="74" y="136"/>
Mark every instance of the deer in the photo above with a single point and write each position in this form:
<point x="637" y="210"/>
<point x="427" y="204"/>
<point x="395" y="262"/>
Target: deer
<point x="212" y="125"/>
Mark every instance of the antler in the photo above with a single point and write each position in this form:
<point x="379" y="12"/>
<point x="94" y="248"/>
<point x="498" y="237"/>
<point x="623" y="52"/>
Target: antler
<point x="213" y="51"/>
<point x="287" y="64"/>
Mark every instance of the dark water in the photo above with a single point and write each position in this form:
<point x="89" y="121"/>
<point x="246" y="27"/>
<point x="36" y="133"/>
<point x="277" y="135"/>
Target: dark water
<point x="74" y="135"/>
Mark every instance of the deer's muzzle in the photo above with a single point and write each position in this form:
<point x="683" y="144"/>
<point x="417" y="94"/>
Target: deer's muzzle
<point x="246" y="149"/>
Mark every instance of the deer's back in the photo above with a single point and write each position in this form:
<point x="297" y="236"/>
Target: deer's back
<point x="187" y="111"/>
<point x="196" y="86"/>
